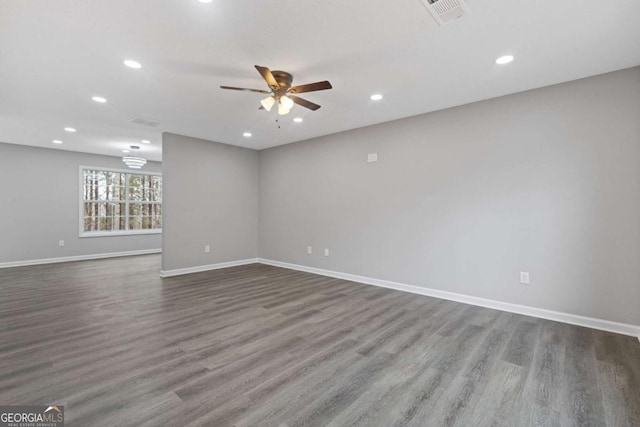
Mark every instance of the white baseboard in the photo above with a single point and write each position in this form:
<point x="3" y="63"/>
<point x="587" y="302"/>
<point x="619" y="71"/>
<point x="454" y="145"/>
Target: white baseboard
<point x="573" y="319"/>
<point x="77" y="258"/>
<point x="199" y="268"/>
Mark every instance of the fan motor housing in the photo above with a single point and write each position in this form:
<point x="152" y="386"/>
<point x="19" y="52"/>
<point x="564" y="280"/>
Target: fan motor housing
<point x="283" y="78"/>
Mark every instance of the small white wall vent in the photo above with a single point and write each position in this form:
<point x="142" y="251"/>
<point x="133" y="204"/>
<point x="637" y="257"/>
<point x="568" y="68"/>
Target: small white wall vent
<point x="446" y="10"/>
<point x="145" y="121"/>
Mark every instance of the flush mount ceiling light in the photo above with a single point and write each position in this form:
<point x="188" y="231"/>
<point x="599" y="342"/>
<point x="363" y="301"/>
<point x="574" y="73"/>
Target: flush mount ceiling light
<point x="57" y="141"/>
<point x="375" y="97"/>
<point x="99" y="99"/>
<point x="247" y="134"/>
<point x="504" y="59"/>
<point x="205" y="1"/>
<point x="132" y="64"/>
<point x="146" y="141"/>
<point x="298" y="120"/>
<point x="70" y="130"/>
<point x="133" y="161"/>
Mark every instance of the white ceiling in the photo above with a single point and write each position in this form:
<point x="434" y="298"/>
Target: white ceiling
<point x="56" y="55"/>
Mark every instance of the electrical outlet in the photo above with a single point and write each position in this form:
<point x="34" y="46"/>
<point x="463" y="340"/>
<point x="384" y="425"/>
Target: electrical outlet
<point x="309" y="250"/>
<point x="207" y="249"/>
<point x="524" y="277"/>
<point x="61" y="243"/>
<point x="326" y="251"/>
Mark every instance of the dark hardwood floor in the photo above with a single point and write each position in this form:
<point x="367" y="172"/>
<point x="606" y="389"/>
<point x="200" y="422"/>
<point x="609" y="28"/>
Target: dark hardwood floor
<point x="264" y="346"/>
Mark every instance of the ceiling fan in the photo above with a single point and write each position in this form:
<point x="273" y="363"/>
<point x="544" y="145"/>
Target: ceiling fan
<point x="282" y="92"/>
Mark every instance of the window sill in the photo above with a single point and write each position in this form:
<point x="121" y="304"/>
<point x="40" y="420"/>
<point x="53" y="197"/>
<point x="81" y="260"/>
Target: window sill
<point x="119" y="233"/>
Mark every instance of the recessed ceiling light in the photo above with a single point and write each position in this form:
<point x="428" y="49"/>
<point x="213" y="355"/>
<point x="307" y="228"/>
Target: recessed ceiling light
<point x="504" y="59"/>
<point x="132" y="64"/>
<point x="205" y="1"/>
<point x="57" y="141"/>
<point x="125" y="151"/>
<point x="376" y="97"/>
<point x="70" y="130"/>
<point x="99" y="99"/>
<point x="247" y="134"/>
<point x="146" y="141"/>
<point x="298" y="120"/>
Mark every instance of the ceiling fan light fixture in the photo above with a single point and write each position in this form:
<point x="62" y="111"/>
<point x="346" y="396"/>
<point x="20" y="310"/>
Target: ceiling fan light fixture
<point x="282" y="111"/>
<point x="279" y="83"/>
<point x="268" y="102"/>
<point x="286" y="102"/>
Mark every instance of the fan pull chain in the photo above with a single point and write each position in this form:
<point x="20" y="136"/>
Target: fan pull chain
<point x="278" y="123"/>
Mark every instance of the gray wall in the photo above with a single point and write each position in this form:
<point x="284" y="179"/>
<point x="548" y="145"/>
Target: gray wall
<point x="40" y="205"/>
<point x="210" y="198"/>
<point x="462" y="200"/>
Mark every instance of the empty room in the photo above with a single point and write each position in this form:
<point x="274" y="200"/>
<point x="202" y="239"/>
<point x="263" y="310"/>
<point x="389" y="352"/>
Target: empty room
<point x="300" y="213"/>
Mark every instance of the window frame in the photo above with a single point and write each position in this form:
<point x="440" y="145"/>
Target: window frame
<point x="81" y="203"/>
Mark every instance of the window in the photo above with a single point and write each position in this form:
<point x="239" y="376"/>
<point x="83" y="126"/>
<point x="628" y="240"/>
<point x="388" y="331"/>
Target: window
<point x="119" y="202"/>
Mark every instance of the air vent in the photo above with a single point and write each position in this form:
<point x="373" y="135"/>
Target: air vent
<point x="446" y="10"/>
<point x="145" y="121"/>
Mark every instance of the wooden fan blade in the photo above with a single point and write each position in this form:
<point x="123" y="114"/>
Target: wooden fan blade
<point x="267" y="76"/>
<point x="304" y="103"/>
<point x="244" y="88"/>
<point x="311" y="87"/>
